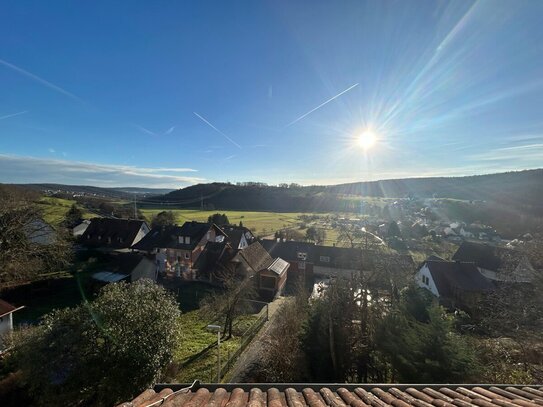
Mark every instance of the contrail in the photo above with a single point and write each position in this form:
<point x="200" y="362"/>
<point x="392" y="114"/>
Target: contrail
<point x="144" y="130"/>
<point x="42" y="81"/>
<point x="13" y="114"/>
<point x="322" y="104"/>
<point x="217" y="130"/>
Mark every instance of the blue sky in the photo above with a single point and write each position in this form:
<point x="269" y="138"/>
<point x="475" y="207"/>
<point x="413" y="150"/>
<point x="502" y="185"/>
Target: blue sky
<point x="168" y="93"/>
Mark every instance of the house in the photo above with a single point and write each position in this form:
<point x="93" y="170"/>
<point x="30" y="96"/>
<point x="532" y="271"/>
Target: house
<point x="300" y="255"/>
<point x="113" y="234"/>
<point x="336" y="395"/>
<point x="239" y="236"/>
<point x="252" y="261"/>
<point x="126" y="267"/>
<point x="497" y="263"/>
<point x="271" y="273"/>
<point x="455" y="283"/>
<point x="331" y="261"/>
<point x="177" y="248"/>
<point x="6" y="320"/>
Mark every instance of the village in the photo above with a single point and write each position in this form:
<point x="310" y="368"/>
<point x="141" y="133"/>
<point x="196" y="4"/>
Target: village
<point x="458" y="263"/>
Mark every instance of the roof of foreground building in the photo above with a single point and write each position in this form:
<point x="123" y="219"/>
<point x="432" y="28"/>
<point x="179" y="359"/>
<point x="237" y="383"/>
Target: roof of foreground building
<point x="339" y="395"/>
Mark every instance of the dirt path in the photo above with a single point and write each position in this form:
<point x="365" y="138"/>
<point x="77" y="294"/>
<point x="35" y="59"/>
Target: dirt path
<point x="252" y="353"/>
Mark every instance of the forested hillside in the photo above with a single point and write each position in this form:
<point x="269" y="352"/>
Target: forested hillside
<point x="521" y="189"/>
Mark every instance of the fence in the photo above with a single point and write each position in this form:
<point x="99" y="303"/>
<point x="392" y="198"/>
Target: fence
<point x="246" y="338"/>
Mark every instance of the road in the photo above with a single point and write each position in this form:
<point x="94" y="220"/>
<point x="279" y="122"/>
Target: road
<point x="251" y="354"/>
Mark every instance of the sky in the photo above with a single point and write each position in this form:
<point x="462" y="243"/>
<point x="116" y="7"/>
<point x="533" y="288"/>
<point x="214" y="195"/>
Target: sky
<point x="167" y="94"/>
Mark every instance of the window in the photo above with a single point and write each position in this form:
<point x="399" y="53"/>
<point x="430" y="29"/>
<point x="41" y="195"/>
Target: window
<point x="302" y="255"/>
<point x="425" y="280"/>
<point x="325" y="259"/>
<point x="301" y="265"/>
<point x="187" y="256"/>
<point x="180" y="238"/>
<point x="109" y="239"/>
<point x="187" y="240"/>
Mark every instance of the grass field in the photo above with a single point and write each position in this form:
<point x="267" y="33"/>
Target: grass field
<point x="55" y="209"/>
<point x="261" y="223"/>
<point x="195" y="338"/>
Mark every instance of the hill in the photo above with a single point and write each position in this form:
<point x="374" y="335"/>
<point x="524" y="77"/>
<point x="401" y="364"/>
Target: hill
<point x="87" y="190"/>
<point x="521" y="189"/>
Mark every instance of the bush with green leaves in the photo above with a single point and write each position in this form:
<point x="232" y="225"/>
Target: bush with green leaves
<point x="102" y="352"/>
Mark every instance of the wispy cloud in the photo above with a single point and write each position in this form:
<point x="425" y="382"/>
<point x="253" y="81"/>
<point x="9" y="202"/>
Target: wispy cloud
<point x="51" y="150"/>
<point x="13" y="115"/>
<point x="21" y="169"/>
<point x="526" y="153"/>
<point x="42" y="81"/>
<point x="322" y="104"/>
<point x="216" y="129"/>
<point x="169" y="131"/>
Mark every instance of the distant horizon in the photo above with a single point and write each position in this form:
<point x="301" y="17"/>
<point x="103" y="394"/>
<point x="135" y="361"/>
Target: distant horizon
<point x="271" y="184"/>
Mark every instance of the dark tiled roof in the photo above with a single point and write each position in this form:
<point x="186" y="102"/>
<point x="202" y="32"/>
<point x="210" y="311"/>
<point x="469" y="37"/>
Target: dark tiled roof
<point x="213" y="254"/>
<point x="122" y="263"/>
<point x="338" y="395"/>
<point x="167" y="237"/>
<point x="235" y="233"/>
<point x="448" y="275"/>
<point x="109" y="232"/>
<point x="289" y="250"/>
<point x="333" y="256"/>
<point x="487" y="256"/>
<point x="256" y="256"/>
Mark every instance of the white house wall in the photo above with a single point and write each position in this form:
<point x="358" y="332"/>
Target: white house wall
<point x="6" y="326"/>
<point x="431" y="286"/>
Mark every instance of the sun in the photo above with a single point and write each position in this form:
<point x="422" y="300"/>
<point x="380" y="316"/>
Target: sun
<point x="366" y="139"/>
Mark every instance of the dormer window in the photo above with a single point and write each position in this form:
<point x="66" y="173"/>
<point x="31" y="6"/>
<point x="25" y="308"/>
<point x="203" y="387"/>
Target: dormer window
<point x="109" y="239"/>
<point x="187" y="240"/>
<point x="180" y="239"/>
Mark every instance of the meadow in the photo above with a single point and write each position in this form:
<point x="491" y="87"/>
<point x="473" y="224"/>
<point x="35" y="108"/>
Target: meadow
<point x="54" y="209"/>
<point x="261" y="223"/>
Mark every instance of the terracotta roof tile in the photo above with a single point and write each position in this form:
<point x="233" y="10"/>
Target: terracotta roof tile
<point x="313" y="395"/>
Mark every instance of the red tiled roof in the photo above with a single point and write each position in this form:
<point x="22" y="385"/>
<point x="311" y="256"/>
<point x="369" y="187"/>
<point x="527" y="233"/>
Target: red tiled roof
<point x="340" y="395"/>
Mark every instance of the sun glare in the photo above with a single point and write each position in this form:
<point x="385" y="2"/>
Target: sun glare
<point x="367" y="139"/>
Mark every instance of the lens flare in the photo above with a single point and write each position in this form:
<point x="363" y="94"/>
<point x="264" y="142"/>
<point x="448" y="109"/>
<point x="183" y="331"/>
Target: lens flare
<point x="367" y="139"/>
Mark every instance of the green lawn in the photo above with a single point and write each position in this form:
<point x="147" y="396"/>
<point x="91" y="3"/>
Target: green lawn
<point x="262" y="223"/>
<point x="195" y="338"/>
<point x="55" y="209"/>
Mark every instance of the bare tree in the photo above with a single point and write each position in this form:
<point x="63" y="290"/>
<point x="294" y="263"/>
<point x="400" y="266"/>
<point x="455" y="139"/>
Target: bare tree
<point x="28" y="245"/>
<point x="228" y="305"/>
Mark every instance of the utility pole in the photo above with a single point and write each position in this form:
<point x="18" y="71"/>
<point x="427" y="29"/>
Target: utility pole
<point x="135" y="208"/>
<point x="201" y="202"/>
